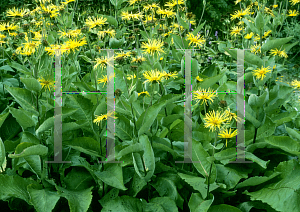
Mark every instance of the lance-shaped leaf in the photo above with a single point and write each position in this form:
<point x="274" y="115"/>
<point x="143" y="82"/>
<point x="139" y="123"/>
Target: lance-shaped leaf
<point x="123" y="204"/>
<point x="197" y="203"/>
<point x="86" y="145"/>
<point x="257" y="180"/>
<point x="23" y="117"/>
<point x="148" y="157"/>
<point x="275" y="43"/>
<point x="285" y="143"/>
<point x="31" y="84"/>
<point x="26" y="149"/>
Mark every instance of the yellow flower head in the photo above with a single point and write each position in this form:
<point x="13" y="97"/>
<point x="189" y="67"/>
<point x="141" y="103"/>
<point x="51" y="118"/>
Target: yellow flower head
<point x="204" y="95"/>
<point x="93" y="22"/>
<point x="102" y="62"/>
<point x="104" y="79"/>
<point x="138" y="59"/>
<point x="74" y="44"/>
<point x="249" y="36"/>
<point x="99" y="119"/>
<point x="261" y="73"/>
<point x="153" y="76"/>
<point x="293" y="13"/>
<point x="199" y="79"/>
<point x="51" y="50"/>
<point x="16" y="12"/>
<point x="71" y="33"/>
<point x="236" y="30"/>
<point x="293" y="2"/>
<point x="153" y="47"/>
<point x="214" y="120"/>
<point x="295" y="84"/>
<point x="227" y="134"/>
<point x="8" y="27"/>
<point x="46" y="83"/>
<point x="232" y="116"/>
<point x="196" y="40"/>
<point x="167" y="75"/>
<point x="144" y="93"/>
<point x="278" y="52"/>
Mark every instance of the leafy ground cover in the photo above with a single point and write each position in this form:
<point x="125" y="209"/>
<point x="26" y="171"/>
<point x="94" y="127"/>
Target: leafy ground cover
<point x="149" y="77"/>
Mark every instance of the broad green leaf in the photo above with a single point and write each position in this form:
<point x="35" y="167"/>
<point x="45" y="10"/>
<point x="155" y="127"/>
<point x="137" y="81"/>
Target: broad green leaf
<point x="287" y="47"/>
<point x="130" y="149"/>
<point x="21" y="68"/>
<point x="111" y="20"/>
<point x="23" y="117"/>
<point x="223" y="208"/>
<point x="282" y="195"/>
<point x="229" y="176"/>
<point x="182" y="22"/>
<point x="144" y="124"/>
<point x="25" y="149"/>
<point x="6" y="68"/>
<point x="165" y="148"/>
<point x="115" y="43"/>
<point x="210" y="81"/>
<point x="199" y="204"/>
<point x="14" y="186"/>
<point x="253" y="59"/>
<point x="123" y="128"/>
<point x="179" y="42"/>
<point x="250" y="116"/>
<point x="2" y="155"/>
<point x="78" y="179"/>
<point x="256" y="180"/>
<point x="83" y="105"/>
<point x="123" y="204"/>
<point x="195" y="32"/>
<point x="266" y="130"/>
<point x="31" y="84"/>
<point x="226" y="155"/>
<point x="112" y="175"/>
<point x="112" y="194"/>
<point x="198" y="183"/>
<point x="79" y="201"/>
<point x="34" y="163"/>
<point x="166" y="187"/>
<point x="161" y="204"/>
<point x="46" y="125"/>
<point x="257" y="160"/>
<point x="275" y="43"/>
<point x="251" y="26"/>
<point x="201" y="163"/>
<point x="86" y="145"/>
<point x="293" y="133"/>
<point x="259" y="21"/>
<point x="43" y="200"/>
<point x="281" y="118"/>
<point x="72" y="126"/>
<point x="3" y="117"/>
<point x="148" y="157"/>
<point x="29" y="137"/>
<point x="24" y="98"/>
<point x="285" y="143"/>
<point x="137" y="185"/>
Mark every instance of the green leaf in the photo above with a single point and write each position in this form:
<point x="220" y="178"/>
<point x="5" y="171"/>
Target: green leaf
<point x="43" y="200"/>
<point x="198" y="183"/>
<point x="46" y="125"/>
<point x="210" y="81"/>
<point x="226" y="155"/>
<point x="86" y="145"/>
<point x="201" y="163"/>
<point x="25" y="149"/>
<point x="179" y="42"/>
<point x="78" y="179"/>
<point x="275" y="43"/>
<point x="199" y="204"/>
<point x="257" y="160"/>
<point x="251" y="26"/>
<point x="284" y="117"/>
<point x="195" y="31"/>
<point x="161" y="204"/>
<point x="111" y="20"/>
<point x="112" y="175"/>
<point x="250" y="116"/>
<point x="282" y="195"/>
<point x="21" y="68"/>
<point x="123" y="204"/>
<point x="229" y="176"/>
<point x="115" y="44"/>
<point x="253" y="59"/>
<point x="14" y="186"/>
<point x="223" y="208"/>
<point x="23" y="117"/>
<point x="166" y="187"/>
<point x="2" y="156"/>
<point x="293" y="133"/>
<point x="148" y="157"/>
<point x="259" y="21"/>
<point x="34" y="163"/>
<point x="31" y="84"/>
<point x="285" y="143"/>
<point x="256" y="180"/>
<point x="79" y="201"/>
<point x="152" y="112"/>
<point x="23" y="97"/>
<point x="137" y="185"/>
<point x="6" y="68"/>
<point x="182" y="22"/>
<point x="3" y="117"/>
<point x="130" y="149"/>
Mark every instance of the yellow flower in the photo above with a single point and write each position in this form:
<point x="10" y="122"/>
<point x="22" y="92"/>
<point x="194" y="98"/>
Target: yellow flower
<point x="153" y="46"/>
<point x="196" y="40"/>
<point x="99" y="119"/>
<point x="261" y="73"/>
<point x="166" y="12"/>
<point x="237" y="1"/>
<point x="266" y="33"/>
<point x="235" y="31"/>
<point x="131" y="2"/>
<point x="240" y="14"/>
<point x="199" y="79"/>
<point x="74" y="44"/>
<point x="143" y="93"/>
<point x="256" y="49"/>
<point x="7" y="26"/>
<point x="93" y="22"/>
<point x="293" y="13"/>
<point x="293" y="2"/>
<point x="122" y="54"/>
<point x="50" y="9"/>
<point x="131" y="77"/>
<point x="102" y="62"/>
<point x="104" y="79"/>
<point x="46" y="83"/>
<point x="278" y="52"/>
<point x="173" y="3"/>
<point x="153" y="76"/>
<point x="167" y="75"/>
<point x="111" y="33"/>
<point x="232" y="116"/>
<point x="72" y="33"/>
<point x="275" y="5"/>
<point x="295" y="84"/>
<point x="2" y="36"/>
<point x="138" y="59"/>
<point x="204" y="95"/>
<point x="67" y="2"/>
<point x="249" y="36"/>
<point x="51" y="50"/>
<point x="16" y="12"/>
<point x="151" y="7"/>
<point x="213" y="120"/>
<point x="227" y="134"/>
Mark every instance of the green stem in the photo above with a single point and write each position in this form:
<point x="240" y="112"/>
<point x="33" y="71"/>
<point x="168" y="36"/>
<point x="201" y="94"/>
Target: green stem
<point x="211" y="166"/>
